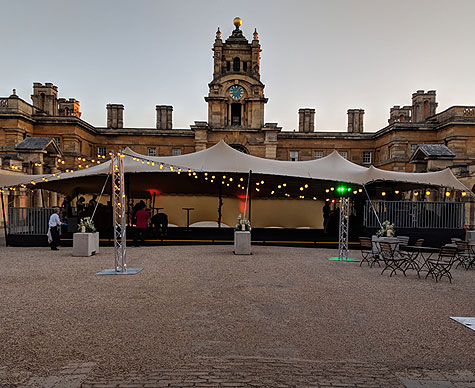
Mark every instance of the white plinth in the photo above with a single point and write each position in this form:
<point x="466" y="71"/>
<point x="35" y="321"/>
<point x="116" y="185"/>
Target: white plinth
<point x="84" y="244"/>
<point x="242" y="243"/>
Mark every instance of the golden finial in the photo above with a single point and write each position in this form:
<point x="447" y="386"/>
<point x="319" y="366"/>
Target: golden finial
<point x="256" y="36"/>
<point x="218" y="34"/>
<point x="237" y="22"/>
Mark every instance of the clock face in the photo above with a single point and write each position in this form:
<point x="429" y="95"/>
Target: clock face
<point x="236" y="92"/>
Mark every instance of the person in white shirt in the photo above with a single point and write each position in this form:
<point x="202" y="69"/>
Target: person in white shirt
<point x="54" y="225"/>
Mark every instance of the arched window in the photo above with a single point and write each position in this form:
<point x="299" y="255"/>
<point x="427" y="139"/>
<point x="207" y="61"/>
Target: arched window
<point x="240" y="148"/>
<point x="236" y="64"/>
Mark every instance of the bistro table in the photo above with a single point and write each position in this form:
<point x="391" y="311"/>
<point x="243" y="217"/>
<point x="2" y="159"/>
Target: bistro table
<point x="414" y="252"/>
<point x="391" y="240"/>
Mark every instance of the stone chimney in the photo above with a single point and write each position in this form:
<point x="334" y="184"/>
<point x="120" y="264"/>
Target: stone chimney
<point x="355" y="120"/>
<point x="399" y="115"/>
<point x="45" y="98"/>
<point x="115" y="116"/>
<point x="164" y="116"/>
<point x="423" y="105"/>
<point x="306" y="120"/>
<point x="68" y="107"/>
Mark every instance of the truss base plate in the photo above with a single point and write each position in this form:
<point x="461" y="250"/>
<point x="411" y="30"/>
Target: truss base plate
<point x="130" y="271"/>
<point x="343" y="259"/>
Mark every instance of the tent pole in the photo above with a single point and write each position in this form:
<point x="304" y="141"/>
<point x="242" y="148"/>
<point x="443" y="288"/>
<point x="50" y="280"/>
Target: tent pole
<point x="4" y="222"/>
<point x="372" y="207"/>
<point x="220" y="204"/>
<point x="249" y="196"/>
<point x="153" y="203"/>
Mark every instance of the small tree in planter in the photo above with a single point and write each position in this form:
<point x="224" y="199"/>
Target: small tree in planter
<point x="386" y="230"/>
<point x="243" y="225"/>
<point x="86" y="225"/>
<point x="86" y="240"/>
<point x="242" y="237"/>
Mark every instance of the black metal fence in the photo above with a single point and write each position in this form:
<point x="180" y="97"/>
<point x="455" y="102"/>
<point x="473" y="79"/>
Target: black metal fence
<point x="29" y="220"/>
<point x="406" y="214"/>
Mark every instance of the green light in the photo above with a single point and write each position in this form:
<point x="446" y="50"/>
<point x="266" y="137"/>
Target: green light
<point x="343" y="189"/>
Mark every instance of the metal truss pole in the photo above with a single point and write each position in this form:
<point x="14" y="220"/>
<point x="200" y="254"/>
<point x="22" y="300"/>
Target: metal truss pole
<point x="118" y="211"/>
<point x="343" y="251"/>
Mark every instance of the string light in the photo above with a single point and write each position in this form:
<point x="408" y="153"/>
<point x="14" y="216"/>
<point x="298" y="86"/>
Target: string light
<point x="464" y="193"/>
<point x="447" y="194"/>
<point x="396" y="191"/>
<point x="427" y="192"/>
<point x="383" y="193"/>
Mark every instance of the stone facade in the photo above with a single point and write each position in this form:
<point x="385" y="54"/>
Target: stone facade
<point x="236" y="103"/>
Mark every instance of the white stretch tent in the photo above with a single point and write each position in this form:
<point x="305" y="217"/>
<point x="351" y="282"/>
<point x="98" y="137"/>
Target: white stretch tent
<point x="222" y="158"/>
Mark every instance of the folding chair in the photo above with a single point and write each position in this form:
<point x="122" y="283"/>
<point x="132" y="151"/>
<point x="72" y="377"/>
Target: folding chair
<point x="369" y="253"/>
<point x="403" y="240"/>
<point x="441" y="266"/>
<point x="392" y="259"/>
<point x="419" y="242"/>
<point x="464" y="257"/>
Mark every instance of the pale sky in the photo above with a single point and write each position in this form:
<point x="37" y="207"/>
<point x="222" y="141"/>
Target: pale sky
<point x="329" y="55"/>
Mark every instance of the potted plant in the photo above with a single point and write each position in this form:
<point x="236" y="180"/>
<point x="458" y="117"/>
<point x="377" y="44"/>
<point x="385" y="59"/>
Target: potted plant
<point x="242" y="237"/>
<point x="86" y="240"/>
<point x="386" y="230"/>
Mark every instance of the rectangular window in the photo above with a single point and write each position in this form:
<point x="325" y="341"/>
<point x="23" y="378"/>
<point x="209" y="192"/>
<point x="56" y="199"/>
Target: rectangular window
<point x="318" y="154"/>
<point x="176" y="151"/>
<point x="101" y="151"/>
<point x="151" y="151"/>
<point x="294" y="156"/>
<point x="367" y="157"/>
<point x="344" y="154"/>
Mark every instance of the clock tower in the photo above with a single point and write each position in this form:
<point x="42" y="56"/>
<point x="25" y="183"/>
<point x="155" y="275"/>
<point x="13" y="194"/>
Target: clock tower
<point x="236" y="94"/>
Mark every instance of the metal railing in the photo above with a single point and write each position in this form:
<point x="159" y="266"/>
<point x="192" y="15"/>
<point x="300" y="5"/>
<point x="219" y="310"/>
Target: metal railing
<point x="406" y="214"/>
<point x="28" y="220"/>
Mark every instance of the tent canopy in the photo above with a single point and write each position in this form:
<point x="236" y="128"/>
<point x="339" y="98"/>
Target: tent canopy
<point x="143" y="174"/>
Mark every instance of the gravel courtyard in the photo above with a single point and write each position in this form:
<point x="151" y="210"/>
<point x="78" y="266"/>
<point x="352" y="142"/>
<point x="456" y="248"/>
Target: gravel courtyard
<point x="192" y="301"/>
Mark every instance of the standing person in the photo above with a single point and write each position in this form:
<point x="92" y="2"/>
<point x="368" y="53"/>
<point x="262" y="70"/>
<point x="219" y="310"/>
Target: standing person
<point x="142" y="216"/>
<point x="326" y="217"/>
<point x="54" y="225"/>
<point x="67" y="207"/>
<point x="80" y="205"/>
<point x="93" y="202"/>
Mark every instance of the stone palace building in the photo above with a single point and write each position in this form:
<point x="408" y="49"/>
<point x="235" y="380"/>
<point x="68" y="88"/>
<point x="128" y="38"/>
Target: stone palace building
<point x="417" y="138"/>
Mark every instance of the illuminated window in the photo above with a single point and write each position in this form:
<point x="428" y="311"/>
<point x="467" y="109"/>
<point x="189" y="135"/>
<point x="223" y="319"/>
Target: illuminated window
<point x="101" y="151"/>
<point x="176" y="151"/>
<point x="344" y="154"/>
<point x="367" y="157"/>
<point x="293" y="156"/>
<point x="318" y="154"/>
<point x="151" y="151"/>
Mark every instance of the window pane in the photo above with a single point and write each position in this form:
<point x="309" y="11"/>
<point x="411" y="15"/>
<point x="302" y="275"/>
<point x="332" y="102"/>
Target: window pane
<point x="366" y="157"/>
<point x="318" y="154"/>
<point x="176" y="152"/>
<point x="101" y="151"/>
<point x="344" y="154"/>
<point x="294" y="156"/>
<point x="152" y="151"/>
